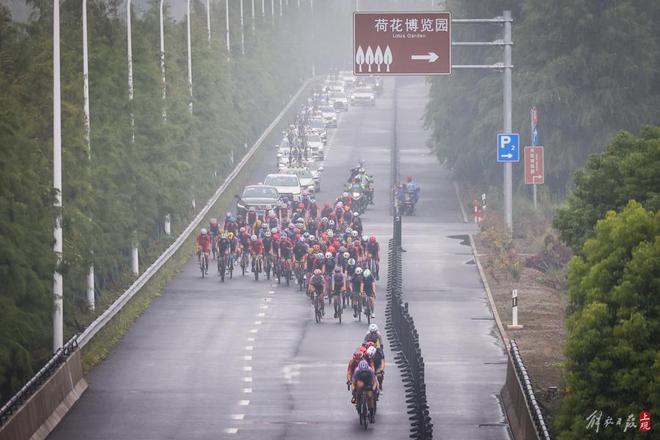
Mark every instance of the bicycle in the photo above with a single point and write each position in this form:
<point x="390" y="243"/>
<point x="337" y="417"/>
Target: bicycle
<point x="362" y="407"/>
<point x="257" y="264"/>
<point x="367" y="308"/>
<point x="300" y="276"/>
<point x="231" y="260"/>
<point x="204" y="263"/>
<point x="244" y="261"/>
<point x="339" y="309"/>
<point x="318" y="307"/>
<point x="268" y="265"/>
<point x="357" y="305"/>
<point x="287" y="271"/>
<point x="222" y="266"/>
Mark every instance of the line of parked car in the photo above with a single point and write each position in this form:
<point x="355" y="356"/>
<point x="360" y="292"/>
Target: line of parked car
<point x="301" y="152"/>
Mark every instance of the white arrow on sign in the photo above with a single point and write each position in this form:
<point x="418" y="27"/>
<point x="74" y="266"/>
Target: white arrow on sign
<point x="507" y="156"/>
<point x="431" y="57"/>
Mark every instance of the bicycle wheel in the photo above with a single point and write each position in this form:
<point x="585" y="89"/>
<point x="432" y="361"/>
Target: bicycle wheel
<point x="338" y="309"/>
<point x="317" y="312"/>
<point x="221" y="268"/>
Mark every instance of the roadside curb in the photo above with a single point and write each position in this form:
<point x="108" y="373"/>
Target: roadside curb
<point x="491" y="301"/>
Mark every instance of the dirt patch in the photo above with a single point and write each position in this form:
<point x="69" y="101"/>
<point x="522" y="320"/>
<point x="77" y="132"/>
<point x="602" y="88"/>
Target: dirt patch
<point x="541" y="310"/>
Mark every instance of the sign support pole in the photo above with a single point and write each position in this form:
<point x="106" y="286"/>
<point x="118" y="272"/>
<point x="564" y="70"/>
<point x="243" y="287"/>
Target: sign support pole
<point x="508" y="169"/>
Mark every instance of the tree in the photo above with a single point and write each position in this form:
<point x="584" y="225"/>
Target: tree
<point x="613" y="345"/>
<point x="628" y="169"/>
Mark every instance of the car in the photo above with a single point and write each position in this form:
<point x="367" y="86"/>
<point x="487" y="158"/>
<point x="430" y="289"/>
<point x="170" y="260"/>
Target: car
<point x="259" y="197"/>
<point x="316" y="168"/>
<point x="316" y="125"/>
<point x="363" y="96"/>
<point x="348" y="78"/>
<point x="338" y="100"/>
<point x="329" y="116"/>
<point x="305" y="176"/>
<point x="287" y="185"/>
<point x="315" y="144"/>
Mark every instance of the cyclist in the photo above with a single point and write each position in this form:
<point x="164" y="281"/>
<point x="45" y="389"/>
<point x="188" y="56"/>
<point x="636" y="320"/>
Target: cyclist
<point x="286" y="250"/>
<point x="373" y="335"/>
<point x="356" y="288"/>
<point x="203" y="242"/>
<point x="337" y="287"/>
<point x="299" y="251"/>
<point x="358" y="355"/>
<point x="356" y="224"/>
<point x="378" y="357"/>
<point x="223" y="246"/>
<point x="364" y="379"/>
<point x="369" y="289"/>
<point x="214" y="230"/>
<point x="256" y="250"/>
<point x="234" y="246"/>
<point x="316" y="287"/>
<point x="373" y="249"/>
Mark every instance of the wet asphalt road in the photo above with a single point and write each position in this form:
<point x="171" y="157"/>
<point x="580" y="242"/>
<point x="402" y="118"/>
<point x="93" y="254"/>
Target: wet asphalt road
<point x="246" y="359"/>
<point x="465" y="360"/>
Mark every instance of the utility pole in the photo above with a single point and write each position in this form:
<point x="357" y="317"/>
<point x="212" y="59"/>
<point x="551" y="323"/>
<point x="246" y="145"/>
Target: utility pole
<point x="208" y="21"/>
<point x="508" y="167"/>
<point x="190" y="84"/>
<point x="253" y="22"/>
<point x="227" y="29"/>
<point x="135" y="255"/>
<point x="90" y="274"/>
<point x="242" y="30"/>
<point x="58" y="291"/>
<point x="163" y="82"/>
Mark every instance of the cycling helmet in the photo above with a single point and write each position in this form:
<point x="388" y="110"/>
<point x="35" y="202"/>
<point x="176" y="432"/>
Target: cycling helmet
<point x="317" y="247"/>
<point x="242" y="229"/>
<point x="324" y="220"/>
<point x="312" y="238"/>
<point x="301" y="205"/>
<point x="330" y="233"/>
<point x="317" y="272"/>
<point x="371" y="351"/>
<point x="272" y="215"/>
<point x="354" y="233"/>
<point x="351" y="262"/>
<point x="230" y="236"/>
<point x="264" y="226"/>
<point x="310" y="250"/>
<point x="214" y="221"/>
<point x="372" y="239"/>
<point x="331" y="249"/>
<point x="306" y="234"/>
<point x="228" y="215"/>
<point x="344" y="194"/>
<point x="342" y="248"/>
<point x="349" y="230"/>
<point x="328" y="255"/>
<point x="367" y="273"/>
<point x="253" y="238"/>
<point x="252" y="209"/>
<point x="358" y="354"/>
<point x="291" y="226"/>
<point x="362" y="349"/>
<point x="203" y="231"/>
<point x="373" y="328"/>
<point x="331" y="222"/>
<point x="363" y="366"/>
<point x="409" y="178"/>
<point x="274" y="230"/>
<point x="339" y="204"/>
<point x="301" y="239"/>
<point x="319" y="255"/>
<point x="346" y="255"/>
<point x="267" y="234"/>
<point x="356" y="214"/>
<point x="369" y="344"/>
<point x="358" y="271"/>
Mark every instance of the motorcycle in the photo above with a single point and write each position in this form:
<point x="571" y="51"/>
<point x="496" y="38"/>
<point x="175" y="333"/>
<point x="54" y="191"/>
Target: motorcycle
<point x="359" y="201"/>
<point x="407" y="205"/>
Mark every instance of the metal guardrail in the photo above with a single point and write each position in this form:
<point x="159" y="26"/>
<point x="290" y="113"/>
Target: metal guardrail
<point x="115" y="307"/>
<point x="58" y="358"/>
<point x="404" y="339"/>
<point x="533" y="406"/>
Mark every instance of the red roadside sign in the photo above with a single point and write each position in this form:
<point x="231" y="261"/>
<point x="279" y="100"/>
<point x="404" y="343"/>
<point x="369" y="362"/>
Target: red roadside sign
<point x="402" y="43"/>
<point x="534" y="171"/>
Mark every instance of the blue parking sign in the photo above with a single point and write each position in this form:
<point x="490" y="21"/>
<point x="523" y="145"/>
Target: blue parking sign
<point x="508" y="147"/>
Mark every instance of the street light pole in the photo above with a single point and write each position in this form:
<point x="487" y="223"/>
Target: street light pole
<point x="135" y="256"/>
<point x="508" y="171"/>
<point x="208" y="21"/>
<point x="253" y="23"/>
<point x="227" y="29"/>
<point x="190" y="84"/>
<point x="242" y="30"/>
<point x="90" y="273"/>
<point x="163" y="82"/>
<point x="58" y="301"/>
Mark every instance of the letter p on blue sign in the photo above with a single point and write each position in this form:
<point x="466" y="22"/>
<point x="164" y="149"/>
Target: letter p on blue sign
<point x="508" y="147"/>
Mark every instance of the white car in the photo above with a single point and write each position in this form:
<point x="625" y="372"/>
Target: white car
<point x="338" y="101"/>
<point x="363" y="96"/>
<point x="305" y="176"/>
<point x="329" y="116"/>
<point x="315" y="144"/>
<point x="287" y="185"/>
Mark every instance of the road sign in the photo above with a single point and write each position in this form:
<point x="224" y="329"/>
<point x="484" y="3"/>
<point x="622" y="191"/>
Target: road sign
<point x="534" y="169"/>
<point x="534" y="116"/>
<point x="508" y="147"/>
<point x="402" y="43"/>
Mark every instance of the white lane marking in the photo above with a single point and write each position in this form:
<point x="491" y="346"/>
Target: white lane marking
<point x="251" y="339"/>
<point x="257" y="322"/>
<point x="231" y="431"/>
<point x="237" y="416"/>
<point x="247" y="358"/>
<point x="269" y="300"/>
<point x="244" y="402"/>
<point x="261" y="315"/>
<point x="247" y="390"/>
<point x="263" y="307"/>
<point x="247" y="379"/>
<point x="249" y="347"/>
<point x="270" y="292"/>
<point x="248" y="368"/>
<point x="254" y="330"/>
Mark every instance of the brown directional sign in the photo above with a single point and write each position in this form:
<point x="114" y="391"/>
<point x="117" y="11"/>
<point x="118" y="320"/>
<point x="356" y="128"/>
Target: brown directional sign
<point x="534" y="166"/>
<point x="402" y="43"/>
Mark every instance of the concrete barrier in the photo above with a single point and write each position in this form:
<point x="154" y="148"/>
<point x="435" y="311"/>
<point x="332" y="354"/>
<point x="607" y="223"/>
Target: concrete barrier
<point x="41" y="413"/>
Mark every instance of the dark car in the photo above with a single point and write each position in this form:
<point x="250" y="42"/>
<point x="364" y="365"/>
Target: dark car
<point x="261" y="197"/>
